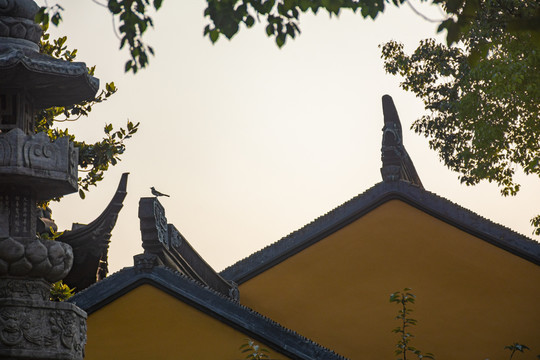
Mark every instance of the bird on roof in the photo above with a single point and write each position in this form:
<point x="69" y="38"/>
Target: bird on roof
<point x="157" y="193"/>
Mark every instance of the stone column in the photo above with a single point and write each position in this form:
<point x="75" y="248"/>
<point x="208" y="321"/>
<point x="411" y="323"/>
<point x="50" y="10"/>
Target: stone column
<point x="34" y="168"/>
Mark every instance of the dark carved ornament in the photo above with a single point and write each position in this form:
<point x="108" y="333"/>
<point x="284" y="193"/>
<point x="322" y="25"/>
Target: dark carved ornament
<point x="90" y="242"/>
<point x="18" y="28"/>
<point x="35" y="258"/>
<point x="31" y="327"/>
<point x="397" y="164"/>
<point x="18" y="8"/>
<point x="47" y="332"/>
<point x="164" y="245"/>
<point x="145" y="262"/>
<point x="49" y="167"/>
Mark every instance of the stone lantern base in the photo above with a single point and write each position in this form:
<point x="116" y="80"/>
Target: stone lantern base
<point x="32" y="327"/>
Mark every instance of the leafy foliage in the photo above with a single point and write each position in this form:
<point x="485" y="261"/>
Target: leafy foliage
<point x="482" y="96"/>
<point x="94" y="159"/>
<point x="282" y="16"/>
<point x="464" y="14"/>
<point x="253" y="351"/>
<point x="50" y="235"/>
<point x="134" y="21"/>
<point x="60" y="291"/>
<point x="405" y="298"/>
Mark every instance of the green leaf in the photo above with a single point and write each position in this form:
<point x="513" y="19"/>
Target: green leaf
<point x="214" y="35"/>
<point x="249" y="21"/>
<point x="128" y="66"/>
<point x="280" y="40"/>
<point x="304" y="5"/>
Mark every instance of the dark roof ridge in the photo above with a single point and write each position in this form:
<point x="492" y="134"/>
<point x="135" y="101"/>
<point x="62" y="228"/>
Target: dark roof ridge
<point x="173" y="250"/>
<point x="356" y="207"/>
<point x="208" y="300"/>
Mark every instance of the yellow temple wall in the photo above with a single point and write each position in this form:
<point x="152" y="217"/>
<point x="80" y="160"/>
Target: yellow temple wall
<point x="147" y="323"/>
<point x="473" y="298"/>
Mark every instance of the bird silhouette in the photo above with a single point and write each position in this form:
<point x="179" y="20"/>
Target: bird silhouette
<point x="157" y="193"/>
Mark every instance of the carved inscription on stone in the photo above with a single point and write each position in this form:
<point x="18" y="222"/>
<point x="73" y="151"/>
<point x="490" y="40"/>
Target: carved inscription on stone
<point x="22" y="215"/>
<point x="4" y="215"/>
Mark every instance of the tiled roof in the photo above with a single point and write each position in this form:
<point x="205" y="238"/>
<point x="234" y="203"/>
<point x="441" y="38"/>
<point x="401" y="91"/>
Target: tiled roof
<point x="246" y="320"/>
<point x="353" y="209"/>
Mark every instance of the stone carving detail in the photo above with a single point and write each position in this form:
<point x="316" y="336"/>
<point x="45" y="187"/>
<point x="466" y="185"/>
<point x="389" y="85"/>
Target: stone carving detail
<point x="5" y="152"/>
<point x="36" y="258"/>
<point x="145" y="262"/>
<point x="19" y="8"/>
<point x="42" y="330"/>
<point x="175" y="238"/>
<point x="161" y="224"/>
<point x="20" y="29"/>
<point x="24" y="289"/>
<point x="22" y="215"/>
<point x="153" y="224"/>
<point x="397" y="165"/>
<point x="18" y="20"/>
<point x="33" y="327"/>
<point x="40" y="155"/>
<point x="49" y="167"/>
<point x="37" y="151"/>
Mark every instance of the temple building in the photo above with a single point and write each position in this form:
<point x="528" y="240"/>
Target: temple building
<point x="322" y="292"/>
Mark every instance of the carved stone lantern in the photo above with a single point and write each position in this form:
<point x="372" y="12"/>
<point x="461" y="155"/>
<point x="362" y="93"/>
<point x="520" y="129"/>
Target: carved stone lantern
<point x="33" y="168"/>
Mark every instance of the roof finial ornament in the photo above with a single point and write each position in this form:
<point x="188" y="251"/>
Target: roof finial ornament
<point x="396" y="163"/>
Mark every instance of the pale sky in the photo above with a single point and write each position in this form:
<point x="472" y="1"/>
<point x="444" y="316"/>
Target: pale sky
<point x="253" y="142"/>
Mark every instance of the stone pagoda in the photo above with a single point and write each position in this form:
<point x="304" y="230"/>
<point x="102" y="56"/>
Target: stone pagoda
<point x="33" y="168"/>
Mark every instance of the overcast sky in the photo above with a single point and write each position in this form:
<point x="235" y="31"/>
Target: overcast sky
<point x="253" y="142"/>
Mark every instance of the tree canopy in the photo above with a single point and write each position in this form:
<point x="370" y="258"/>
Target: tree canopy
<point x="282" y="16"/>
<point x="481" y="96"/>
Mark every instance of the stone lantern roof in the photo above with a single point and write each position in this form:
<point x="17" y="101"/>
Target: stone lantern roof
<point x="47" y="81"/>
